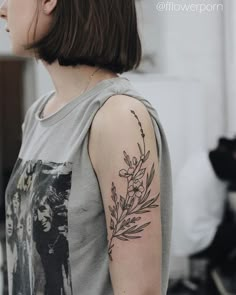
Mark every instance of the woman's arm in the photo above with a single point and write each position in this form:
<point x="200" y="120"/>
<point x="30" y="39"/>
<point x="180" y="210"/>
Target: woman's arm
<point x="123" y="151"/>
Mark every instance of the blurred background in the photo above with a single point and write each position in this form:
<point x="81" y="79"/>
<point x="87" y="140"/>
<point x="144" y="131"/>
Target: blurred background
<point x="188" y="73"/>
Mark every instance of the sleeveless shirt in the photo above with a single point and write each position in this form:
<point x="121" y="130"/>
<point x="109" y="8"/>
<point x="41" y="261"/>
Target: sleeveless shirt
<point x="56" y="236"/>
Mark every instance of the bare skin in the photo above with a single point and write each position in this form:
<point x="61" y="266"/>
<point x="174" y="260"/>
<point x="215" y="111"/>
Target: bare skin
<point x="73" y="82"/>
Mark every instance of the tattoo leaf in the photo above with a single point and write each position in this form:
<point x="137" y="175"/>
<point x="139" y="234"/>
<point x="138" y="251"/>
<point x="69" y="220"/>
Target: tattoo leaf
<point x="121" y="238"/>
<point x="127" y="159"/>
<point x="132" y="237"/>
<point x="147" y="179"/>
<point x="134" y="230"/>
<point x="150" y="202"/>
<point x="146" y="157"/>
<point x="114" y="195"/>
<point x="122" y="203"/>
<point x="140" y="173"/>
<point x="145" y="197"/>
<point x="112" y="224"/>
<point x="142" y="211"/>
<point x="135" y="161"/>
<point x="141" y="227"/>
<point x="141" y="152"/>
<point x="150" y="178"/>
<point x="130" y="229"/>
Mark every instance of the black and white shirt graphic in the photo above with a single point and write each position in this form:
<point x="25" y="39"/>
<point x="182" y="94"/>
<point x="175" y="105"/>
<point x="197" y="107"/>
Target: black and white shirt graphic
<point x="37" y="227"/>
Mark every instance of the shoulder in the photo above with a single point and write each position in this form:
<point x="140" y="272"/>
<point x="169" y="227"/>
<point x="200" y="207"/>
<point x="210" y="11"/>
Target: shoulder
<point x="122" y="120"/>
<point x="119" y="107"/>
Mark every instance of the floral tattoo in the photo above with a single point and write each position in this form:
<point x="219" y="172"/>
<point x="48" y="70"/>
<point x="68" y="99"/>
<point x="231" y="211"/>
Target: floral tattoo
<point x="136" y="200"/>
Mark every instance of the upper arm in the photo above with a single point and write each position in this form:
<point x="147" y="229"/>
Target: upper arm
<point x="123" y="151"/>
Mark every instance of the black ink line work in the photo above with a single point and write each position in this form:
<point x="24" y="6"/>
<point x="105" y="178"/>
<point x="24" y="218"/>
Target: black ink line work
<point x="136" y="200"/>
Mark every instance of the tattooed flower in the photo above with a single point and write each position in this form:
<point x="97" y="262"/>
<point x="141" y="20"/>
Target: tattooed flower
<point x="135" y="161"/>
<point x="126" y="173"/>
<point x="135" y="188"/>
<point x="130" y="171"/>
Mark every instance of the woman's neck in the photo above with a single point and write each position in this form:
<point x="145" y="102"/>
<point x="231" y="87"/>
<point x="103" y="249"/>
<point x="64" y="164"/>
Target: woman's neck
<point x="69" y="81"/>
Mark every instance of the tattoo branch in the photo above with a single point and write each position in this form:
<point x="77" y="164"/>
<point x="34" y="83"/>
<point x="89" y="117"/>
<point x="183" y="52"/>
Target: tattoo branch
<point x="136" y="200"/>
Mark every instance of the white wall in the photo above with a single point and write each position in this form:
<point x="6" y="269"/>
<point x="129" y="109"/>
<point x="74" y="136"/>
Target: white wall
<point x="151" y="28"/>
<point x="230" y="65"/>
<point x="195" y="49"/>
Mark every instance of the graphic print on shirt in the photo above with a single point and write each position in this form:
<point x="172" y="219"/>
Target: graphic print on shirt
<point x="37" y="227"/>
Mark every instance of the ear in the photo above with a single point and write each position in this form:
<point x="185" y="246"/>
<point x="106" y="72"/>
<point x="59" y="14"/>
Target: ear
<point x="48" y="6"/>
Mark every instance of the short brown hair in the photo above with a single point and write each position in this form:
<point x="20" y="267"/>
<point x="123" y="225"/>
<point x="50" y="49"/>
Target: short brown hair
<point x="94" y="32"/>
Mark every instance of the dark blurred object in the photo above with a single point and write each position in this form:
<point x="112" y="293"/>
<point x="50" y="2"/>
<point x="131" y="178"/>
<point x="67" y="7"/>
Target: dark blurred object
<point x="11" y="117"/>
<point x="232" y="187"/>
<point x="223" y="159"/>
<point x="191" y="286"/>
<point x="225" y="282"/>
<point x="183" y="287"/>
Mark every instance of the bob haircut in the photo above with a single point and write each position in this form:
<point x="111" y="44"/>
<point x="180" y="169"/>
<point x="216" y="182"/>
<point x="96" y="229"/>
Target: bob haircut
<point x="93" y="32"/>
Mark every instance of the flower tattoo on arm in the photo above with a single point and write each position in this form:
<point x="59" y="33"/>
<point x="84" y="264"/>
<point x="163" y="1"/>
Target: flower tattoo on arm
<point x="136" y="201"/>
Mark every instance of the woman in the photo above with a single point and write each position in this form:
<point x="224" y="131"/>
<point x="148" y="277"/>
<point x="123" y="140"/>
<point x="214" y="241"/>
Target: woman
<point x="97" y="143"/>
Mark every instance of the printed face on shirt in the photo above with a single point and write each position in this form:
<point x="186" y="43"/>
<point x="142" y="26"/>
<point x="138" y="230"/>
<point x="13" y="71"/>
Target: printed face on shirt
<point x="45" y="214"/>
<point x="28" y="225"/>
<point x="16" y="203"/>
<point x="9" y="221"/>
<point x="20" y="228"/>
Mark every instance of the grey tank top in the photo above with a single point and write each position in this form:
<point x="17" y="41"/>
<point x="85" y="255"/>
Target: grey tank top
<point x="56" y="236"/>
